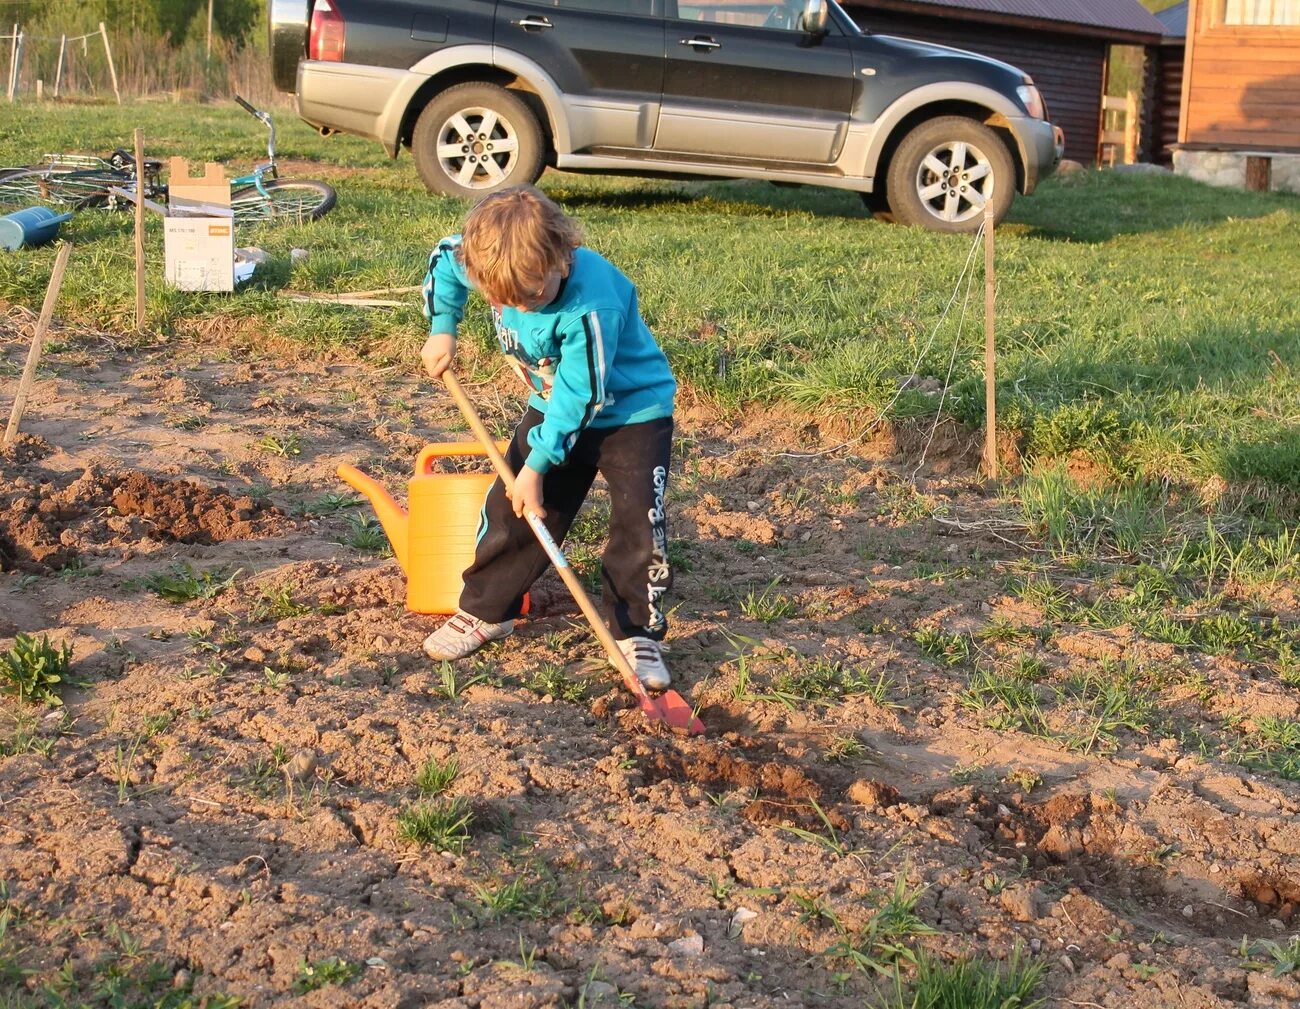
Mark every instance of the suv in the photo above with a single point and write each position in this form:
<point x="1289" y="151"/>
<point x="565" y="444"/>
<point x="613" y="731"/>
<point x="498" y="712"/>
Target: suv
<point x="487" y="93"/>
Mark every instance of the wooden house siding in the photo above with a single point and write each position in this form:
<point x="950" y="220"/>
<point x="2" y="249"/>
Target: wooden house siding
<point x="1068" y="69"/>
<point x="1165" y="72"/>
<point x="1241" y="85"/>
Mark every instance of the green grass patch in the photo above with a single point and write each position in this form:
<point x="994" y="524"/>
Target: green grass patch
<point x="968" y="983"/>
<point x="442" y="824"/>
<point x="436" y="776"/>
<point x="1131" y="324"/>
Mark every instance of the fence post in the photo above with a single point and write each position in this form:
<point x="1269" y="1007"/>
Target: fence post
<point x="139" y="230"/>
<point x="13" y="64"/>
<point x="58" y="74"/>
<point x="111" y="69"/>
<point x="990" y="357"/>
<point x="1131" y="127"/>
<point x="18" y="67"/>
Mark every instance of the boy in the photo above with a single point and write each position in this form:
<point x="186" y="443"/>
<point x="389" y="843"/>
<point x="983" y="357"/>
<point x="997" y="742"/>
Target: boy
<point x="602" y="401"/>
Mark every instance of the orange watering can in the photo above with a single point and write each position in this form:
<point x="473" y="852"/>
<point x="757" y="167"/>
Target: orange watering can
<point x="434" y="542"/>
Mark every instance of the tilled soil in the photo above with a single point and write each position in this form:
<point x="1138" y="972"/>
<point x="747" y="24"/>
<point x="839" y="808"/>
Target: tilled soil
<point x="218" y="801"/>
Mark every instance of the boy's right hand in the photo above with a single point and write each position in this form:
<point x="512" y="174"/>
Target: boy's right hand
<point x="438" y="352"/>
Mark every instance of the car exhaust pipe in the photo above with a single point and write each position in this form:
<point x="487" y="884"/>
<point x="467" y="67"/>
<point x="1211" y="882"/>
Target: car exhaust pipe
<point x="326" y="131"/>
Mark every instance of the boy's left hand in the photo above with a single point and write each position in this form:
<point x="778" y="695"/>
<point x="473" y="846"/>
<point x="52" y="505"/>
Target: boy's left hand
<point x="528" y="493"/>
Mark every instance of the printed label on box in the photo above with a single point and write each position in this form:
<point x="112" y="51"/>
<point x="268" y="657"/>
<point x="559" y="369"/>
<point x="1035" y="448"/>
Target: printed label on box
<point x="199" y="253"/>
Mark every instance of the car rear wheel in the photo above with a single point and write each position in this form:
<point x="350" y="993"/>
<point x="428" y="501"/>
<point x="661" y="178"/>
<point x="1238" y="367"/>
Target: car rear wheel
<point x="946" y="171"/>
<point x="477" y="138"/>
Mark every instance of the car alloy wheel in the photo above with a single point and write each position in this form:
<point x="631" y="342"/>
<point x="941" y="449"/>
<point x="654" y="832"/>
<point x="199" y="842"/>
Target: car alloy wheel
<point x="475" y="139"/>
<point x="954" y="181"/>
<point x="477" y="148"/>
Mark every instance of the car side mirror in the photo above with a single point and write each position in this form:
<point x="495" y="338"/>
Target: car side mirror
<point x="815" y="15"/>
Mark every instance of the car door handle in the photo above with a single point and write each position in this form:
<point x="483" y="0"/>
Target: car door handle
<point x="529" y="23"/>
<point x="701" y="42"/>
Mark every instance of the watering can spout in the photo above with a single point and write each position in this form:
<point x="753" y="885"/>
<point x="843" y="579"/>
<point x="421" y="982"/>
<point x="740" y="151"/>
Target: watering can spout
<point x="391" y="515"/>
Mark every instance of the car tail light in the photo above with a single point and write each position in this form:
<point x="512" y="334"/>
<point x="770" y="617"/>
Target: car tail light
<point x="328" y="33"/>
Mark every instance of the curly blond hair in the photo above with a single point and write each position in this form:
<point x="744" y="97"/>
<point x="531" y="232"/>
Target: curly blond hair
<point x="513" y="240"/>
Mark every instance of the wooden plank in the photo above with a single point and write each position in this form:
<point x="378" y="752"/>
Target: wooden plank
<point x="1256" y="117"/>
<point x="1257" y="140"/>
<point x="1271" y="38"/>
<point x="1213" y="49"/>
<point x="1284" y="89"/>
<point x="1235" y="98"/>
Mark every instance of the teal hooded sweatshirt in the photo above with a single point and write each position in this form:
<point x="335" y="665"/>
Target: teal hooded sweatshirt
<point x="587" y="357"/>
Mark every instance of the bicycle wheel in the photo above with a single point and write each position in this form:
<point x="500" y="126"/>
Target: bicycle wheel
<point x="23" y="187"/>
<point x="285" y="200"/>
<point x="33" y="186"/>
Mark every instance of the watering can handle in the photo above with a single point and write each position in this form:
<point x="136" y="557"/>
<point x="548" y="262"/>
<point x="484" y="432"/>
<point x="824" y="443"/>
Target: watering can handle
<point x="449" y="449"/>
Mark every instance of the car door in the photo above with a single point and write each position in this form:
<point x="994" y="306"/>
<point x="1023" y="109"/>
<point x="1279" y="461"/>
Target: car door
<point x="743" y="80"/>
<point x="606" y="57"/>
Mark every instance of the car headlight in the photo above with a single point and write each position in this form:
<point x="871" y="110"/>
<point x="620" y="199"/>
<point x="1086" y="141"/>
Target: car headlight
<point x="1033" y="101"/>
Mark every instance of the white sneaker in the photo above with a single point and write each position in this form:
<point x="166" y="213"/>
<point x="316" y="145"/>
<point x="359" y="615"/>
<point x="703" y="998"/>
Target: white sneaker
<point x="463" y="635"/>
<point x="647" y="661"/>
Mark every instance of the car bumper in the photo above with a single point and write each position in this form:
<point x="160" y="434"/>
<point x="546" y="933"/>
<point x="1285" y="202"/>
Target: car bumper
<point x="1041" y="147"/>
<point x="351" y="98"/>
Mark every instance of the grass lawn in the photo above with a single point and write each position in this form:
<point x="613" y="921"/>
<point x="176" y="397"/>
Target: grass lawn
<point x="1147" y="322"/>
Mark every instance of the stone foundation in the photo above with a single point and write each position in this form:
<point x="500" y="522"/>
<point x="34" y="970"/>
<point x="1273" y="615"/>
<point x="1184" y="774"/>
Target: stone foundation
<point x="1228" y="168"/>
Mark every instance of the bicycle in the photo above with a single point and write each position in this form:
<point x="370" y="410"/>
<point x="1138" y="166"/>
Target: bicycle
<point x="79" y="182"/>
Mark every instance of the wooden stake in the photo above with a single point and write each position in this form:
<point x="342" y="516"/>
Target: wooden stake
<point x="38" y="343"/>
<point x="58" y="74"/>
<point x="990" y="394"/>
<point x="139" y="230"/>
<point x="111" y="69"/>
<point x="13" y="65"/>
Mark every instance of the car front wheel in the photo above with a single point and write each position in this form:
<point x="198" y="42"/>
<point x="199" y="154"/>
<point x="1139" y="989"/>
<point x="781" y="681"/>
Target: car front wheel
<point x="474" y="139"/>
<point x="946" y="171"/>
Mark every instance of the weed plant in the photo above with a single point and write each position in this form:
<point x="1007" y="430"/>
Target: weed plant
<point x="278" y="604"/>
<point x="826" y="680"/>
<point x="366" y="533"/>
<point x="319" y="973"/>
<point x="533" y="899"/>
<point x="550" y="679"/>
<point x="1285" y="958"/>
<point x="182" y="584"/>
<point x="442" y="824"/>
<point x="35" y="670"/>
<point x="888" y="935"/>
<point x="967" y="983"/>
<point x="436" y="776"/>
<point x="767" y="606"/>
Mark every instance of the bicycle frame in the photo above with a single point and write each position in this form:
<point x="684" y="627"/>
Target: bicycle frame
<point x="265" y="168"/>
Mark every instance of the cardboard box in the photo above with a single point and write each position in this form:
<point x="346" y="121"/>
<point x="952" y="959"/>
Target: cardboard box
<point x="199" y="252"/>
<point x="199" y="230"/>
